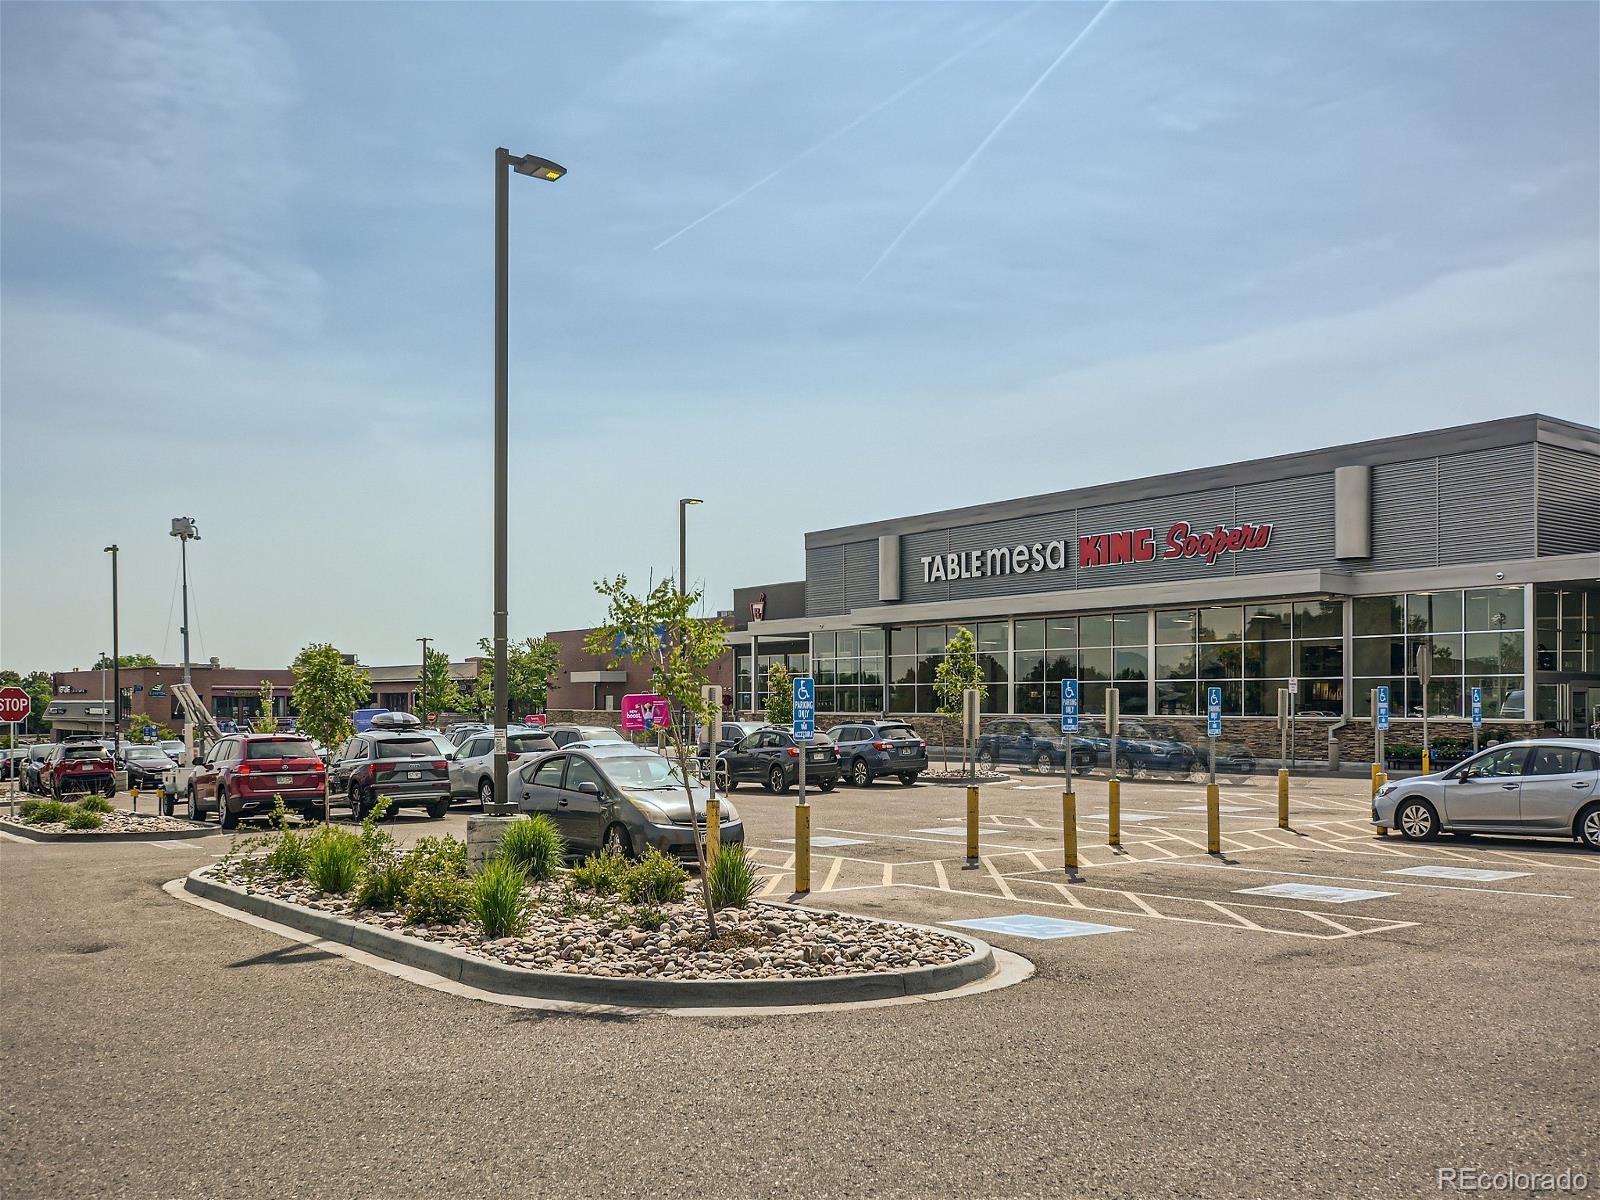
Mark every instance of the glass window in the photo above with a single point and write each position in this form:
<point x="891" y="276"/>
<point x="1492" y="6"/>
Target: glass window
<point x="1030" y="698"/>
<point x="1225" y="661"/>
<point x="1494" y="608"/>
<point x="1320" y="698"/>
<point x="1095" y="630"/>
<point x="1266" y="622"/>
<point x="1095" y="664"/>
<point x="1030" y="667"/>
<point x="1060" y="665"/>
<point x="822" y="645"/>
<point x="847" y="643"/>
<point x="1176" y="627"/>
<point x="848" y="699"/>
<point x="417" y="747"/>
<point x="1030" y="636"/>
<point x="1380" y="656"/>
<point x="930" y="639"/>
<point x="871" y="672"/>
<point x="1174" y="662"/>
<point x="1130" y="629"/>
<point x="1132" y="664"/>
<point x="1175" y="699"/>
<point x="902" y="698"/>
<point x="581" y="770"/>
<point x="825" y="673"/>
<point x="1361" y="702"/>
<point x="1378" y="614"/>
<point x="280" y="748"/>
<point x="994" y="668"/>
<point x="1266" y="660"/>
<point x="1261" y="697"/>
<point x="1221" y="624"/>
<point x="1061" y="633"/>
<point x="1319" y="618"/>
<point x="994" y="637"/>
<point x="1558" y="760"/>
<point x="1320" y="659"/>
<point x="1133" y="701"/>
<point x="549" y="772"/>
<point x="902" y="641"/>
<point x="1446" y="654"/>
<point x="871" y="642"/>
<point x="902" y="670"/>
<point x="1496" y="764"/>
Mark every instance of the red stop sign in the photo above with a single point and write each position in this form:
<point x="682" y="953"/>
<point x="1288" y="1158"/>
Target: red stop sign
<point x="15" y="704"/>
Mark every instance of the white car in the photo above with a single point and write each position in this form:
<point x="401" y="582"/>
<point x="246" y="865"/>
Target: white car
<point x="472" y="765"/>
<point x="1548" y="787"/>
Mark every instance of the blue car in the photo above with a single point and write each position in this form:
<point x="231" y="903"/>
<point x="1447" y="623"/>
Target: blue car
<point x="870" y="749"/>
<point x="1037" y="744"/>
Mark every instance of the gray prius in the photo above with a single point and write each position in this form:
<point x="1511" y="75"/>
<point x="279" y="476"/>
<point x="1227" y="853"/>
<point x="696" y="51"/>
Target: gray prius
<point x="1546" y="787"/>
<point x="620" y="797"/>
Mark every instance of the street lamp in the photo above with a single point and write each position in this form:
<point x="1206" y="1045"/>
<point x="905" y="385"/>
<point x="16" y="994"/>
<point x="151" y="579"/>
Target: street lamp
<point x="422" y="683"/>
<point x="537" y="168"/>
<point x="116" y="650"/>
<point x="185" y="530"/>
<point x="683" y="572"/>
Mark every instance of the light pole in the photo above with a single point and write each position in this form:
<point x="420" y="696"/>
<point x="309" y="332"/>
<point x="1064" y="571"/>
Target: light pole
<point x="683" y="568"/>
<point x="422" y="683"/>
<point x="185" y="530"/>
<point x="537" y="168"/>
<point x="103" y="669"/>
<point x="116" y="650"/>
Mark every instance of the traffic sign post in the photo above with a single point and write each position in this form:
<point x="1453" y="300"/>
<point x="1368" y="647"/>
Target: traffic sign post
<point x="15" y="705"/>
<point x="1113" y="785"/>
<point x="1069" y="802"/>
<point x="1477" y="716"/>
<point x="1380" y="708"/>
<point x="1424" y="663"/>
<point x="805" y="728"/>
<point x="1213" y="805"/>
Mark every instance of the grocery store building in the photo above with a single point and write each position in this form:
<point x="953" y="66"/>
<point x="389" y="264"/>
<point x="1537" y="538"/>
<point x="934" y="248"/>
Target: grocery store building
<point x="1322" y="572"/>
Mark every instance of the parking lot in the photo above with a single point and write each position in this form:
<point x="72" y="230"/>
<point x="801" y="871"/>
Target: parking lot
<point x="1185" y="1032"/>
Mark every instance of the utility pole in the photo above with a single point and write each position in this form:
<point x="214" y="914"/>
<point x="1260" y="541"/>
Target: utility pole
<point x="116" y="650"/>
<point x="184" y="529"/>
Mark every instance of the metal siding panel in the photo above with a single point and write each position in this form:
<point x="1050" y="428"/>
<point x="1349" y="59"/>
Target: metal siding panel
<point x="861" y="575"/>
<point x="824" y="581"/>
<point x="1203" y="510"/>
<point x="1569" y="501"/>
<point x="1300" y="511"/>
<point x="913" y="548"/>
<point x="1019" y="531"/>
<point x="1405" y="514"/>
<point x="1486" y="505"/>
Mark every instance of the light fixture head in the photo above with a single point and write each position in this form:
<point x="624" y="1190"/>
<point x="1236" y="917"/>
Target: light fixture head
<point x="690" y="500"/>
<point x="184" y="527"/>
<point x="537" y="168"/>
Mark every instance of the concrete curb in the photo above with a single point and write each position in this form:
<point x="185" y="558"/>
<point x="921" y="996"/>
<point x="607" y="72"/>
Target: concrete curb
<point x="29" y="833"/>
<point x="491" y="976"/>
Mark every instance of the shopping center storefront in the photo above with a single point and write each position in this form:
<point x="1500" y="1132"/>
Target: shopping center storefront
<point x="1323" y="572"/>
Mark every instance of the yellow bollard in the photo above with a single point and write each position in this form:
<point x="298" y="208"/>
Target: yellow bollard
<point x="1114" y="818"/>
<point x="1427" y="762"/>
<point x="802" y="848"/>
<point x="1213" y="820"/>
<point x="1069" y="827"/>
<point x="134" y="792"/>
<point x="713" y="829"/>
<point x="1375" y="784"/>
<point x="1283" y="798"/>
<point x="972" y="825"/>
<point x="161" y="799"/>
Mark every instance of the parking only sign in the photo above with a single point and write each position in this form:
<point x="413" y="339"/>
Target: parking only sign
<point x="1477" y="708"/>
<point x="1069" y="706"/>
<point x="805" y="708"/>
<point x="1383" y="709"/>
<point x="1213" y="712"/>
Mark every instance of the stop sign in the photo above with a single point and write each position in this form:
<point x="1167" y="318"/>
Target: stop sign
<point x="15" y="704"/>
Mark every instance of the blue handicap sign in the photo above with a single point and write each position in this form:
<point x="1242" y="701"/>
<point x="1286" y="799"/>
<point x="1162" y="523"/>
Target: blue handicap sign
<point x="1069" y="706"/>
<point x="1477" y="707"/>
<point x="1383" y="709"/>
<point x="1213" y="712"/>
<point x="149" y="731"/>
<point x="805" y="708"/>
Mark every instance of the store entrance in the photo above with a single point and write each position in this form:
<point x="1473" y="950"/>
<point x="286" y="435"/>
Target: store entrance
<point x="1571" y="707"/>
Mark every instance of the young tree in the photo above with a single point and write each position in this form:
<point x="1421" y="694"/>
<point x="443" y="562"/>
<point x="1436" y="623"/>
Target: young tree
<point x="657" y="629"/>
<point x="266" y="721"/>
<point x="957" y="671"/>
<point x="41" y="689"/>
<point x="530" y="666"/>
<point x="327" y="691"/>
<point x="440" y="692"/>
<point x="780" y="695"/>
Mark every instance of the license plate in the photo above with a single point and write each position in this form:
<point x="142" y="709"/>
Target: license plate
<point x="819" y="755"/>
<point x="285" y="778"/>
<point x="908" y="751"/>
<point x="413" y="774"/>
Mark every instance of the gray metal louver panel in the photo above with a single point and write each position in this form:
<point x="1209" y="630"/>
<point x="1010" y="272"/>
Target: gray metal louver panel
<point x="1405" y="514"/>
<point x="860" y="574"/>
<point x="913" y="548"/>
<point x="824" y="581"/>
<point x="1300" y="511"/>
<point x="1020" y="531"/>
<point x="1486" y="505"/>
<point x="1204" y="511"/>
<point x="1569" y="501"/>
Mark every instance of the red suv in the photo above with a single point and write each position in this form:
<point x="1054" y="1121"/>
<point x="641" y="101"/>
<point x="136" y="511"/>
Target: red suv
<point x="78" y="767"/>
<point x="247" y="772"/>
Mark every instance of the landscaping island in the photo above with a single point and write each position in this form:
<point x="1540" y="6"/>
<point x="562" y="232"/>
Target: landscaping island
<point x="92" y="819"/>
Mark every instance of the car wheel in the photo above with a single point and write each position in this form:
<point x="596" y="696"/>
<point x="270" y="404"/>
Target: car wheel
<point x="908" y="778"/>
<point x="353" y="794"/>
<point x="111" y="790"/>
<point x="486" y="793"/>
<point x="828" y="785"/>
<point x="725" y="780"/>
<point x="1589" y="827"/>
<point x="1416" y="820"/>
<point x="617" y="841"/>
<point x="776" y="782"/>
<point x="1125" y="766"/>
<point x="437" y="809"/>
<point x="1044" y="763"/>
<point x="986" y="759"/>
<point x="860" y="773"/>
<point x="194" y="807"/>
<point x="227" y="819"/>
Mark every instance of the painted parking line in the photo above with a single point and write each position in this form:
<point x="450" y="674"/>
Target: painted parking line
<point x="1127" y="816"/>
<point x="1223" y="808"/>
<point x="828" y="841"/>
<point x="1476" y="874"/>
<point x="1313" y="891"/>
<point x="1028" y="925"/>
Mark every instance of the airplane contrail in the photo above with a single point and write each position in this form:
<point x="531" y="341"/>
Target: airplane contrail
<point x="844" y="129"/>
<point x="960" y="171"/>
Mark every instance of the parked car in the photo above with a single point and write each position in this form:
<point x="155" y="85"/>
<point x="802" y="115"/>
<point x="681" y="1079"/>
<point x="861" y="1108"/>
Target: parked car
<point x="472" y="765"/>
<point x="731" y="733"/>
<point x="401" y="764"/>
<point x="460" y="731"/>
<point x="245" y="773"/>
<point x="12" y="763"/>
<point x="870" y="749"/>
<point x="78" y="767"/>
<point x="771" y="756"/>
<point x="33" y="768"/>
<point x="1036" y="744"/>
<point x="1546" y="788"/>
<point x="1139" y="750"/>
<point x="149" y="767"/>
<point x="565" y="735"/>
<point x="621" y="797"/>
<point x="173" y="749"/>
<point x="1234" y="760"/>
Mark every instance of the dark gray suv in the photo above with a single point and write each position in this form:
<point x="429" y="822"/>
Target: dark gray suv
<point x="403" y="764"/>
<point x="869" y="749"/>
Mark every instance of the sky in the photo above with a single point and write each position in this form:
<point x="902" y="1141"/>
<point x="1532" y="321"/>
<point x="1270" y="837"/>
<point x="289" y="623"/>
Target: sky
<point x="996" y="249"/>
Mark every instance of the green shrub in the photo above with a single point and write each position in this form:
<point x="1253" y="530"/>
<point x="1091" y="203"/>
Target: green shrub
<point x="384" y="882"/>
<point x="731" y="877"/>
<point x="376" y="842"/>
<point x="534" y="844"/>
<point x="290" y="855"/>
<point x="647" y="917"/>
<point x="333" y="859"/>
<point x="654" y="879"/>
<point x="46" y="811"/>
<point x="79" y="818"/>
<point x="27" y="808"/>
<point x="603" y="874"/>
<point x="439" y="856"/>
<point x="96" y="804"/>
<point x="437" y="898"/>
<point x="497" y="903"/>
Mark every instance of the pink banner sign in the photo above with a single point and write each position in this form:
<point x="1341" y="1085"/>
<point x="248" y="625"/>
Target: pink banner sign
<point x="534" y="719"/>
<point x="644" y="712"/>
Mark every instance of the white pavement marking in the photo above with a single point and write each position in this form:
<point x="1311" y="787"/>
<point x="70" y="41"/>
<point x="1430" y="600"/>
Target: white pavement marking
<point x="999" y="879"/>
<point x="1474" y="873"/>
<point x="833" y="874"/>
<point x="938" y="871"/>
<point x="1028" y="925"/>
<point x="171" y="845"/>
<point x="827" y="841"/>
<point x="1312" y="891"/>
<point x="1438" y="887"/>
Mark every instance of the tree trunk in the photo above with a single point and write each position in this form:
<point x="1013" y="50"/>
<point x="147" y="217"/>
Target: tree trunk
<point x="694" y="828"/>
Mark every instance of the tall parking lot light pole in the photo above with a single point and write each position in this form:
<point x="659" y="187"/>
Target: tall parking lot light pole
<point x="422" y="683"/>
<point x="537" y="168"/>
<point x="116" y="651"/>
<point x="683" y="571"/>
<point x="185" y="530"/>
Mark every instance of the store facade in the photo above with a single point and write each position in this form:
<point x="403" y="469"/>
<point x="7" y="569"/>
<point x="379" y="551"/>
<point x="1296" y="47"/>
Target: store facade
<point x="1325" y="573"/>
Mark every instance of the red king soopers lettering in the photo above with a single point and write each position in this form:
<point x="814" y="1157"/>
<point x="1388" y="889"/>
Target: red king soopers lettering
<point x="1139" y="545"/>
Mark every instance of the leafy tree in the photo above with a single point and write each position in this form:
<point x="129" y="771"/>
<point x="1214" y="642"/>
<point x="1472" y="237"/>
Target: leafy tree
<point x="530" y="666"/>
<point x="957" y="671"/>
<point x="136" y="725"/>
<point x="439" y="691"/>
<point x="780" y="695"/>
<point x="42" y="689"/>
<point x="657" y="629"/>
<point x="327" y="691"/>
<point x="104" y="663"/>
<point x="265" y="722"/>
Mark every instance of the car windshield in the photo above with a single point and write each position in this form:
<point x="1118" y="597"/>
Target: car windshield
<point x="645" y="772"/>
<point x="84" y="752"/>
<point x="280" y="748"/>
<point x="147" y="754"/>
<point x="40" y="751"/>
<point x="417" y="747"/>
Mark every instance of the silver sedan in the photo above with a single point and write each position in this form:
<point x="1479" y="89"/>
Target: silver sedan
<point x="1547" y="788"/>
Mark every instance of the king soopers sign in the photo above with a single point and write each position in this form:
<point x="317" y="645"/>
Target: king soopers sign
<point x="1097" y="550"/>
